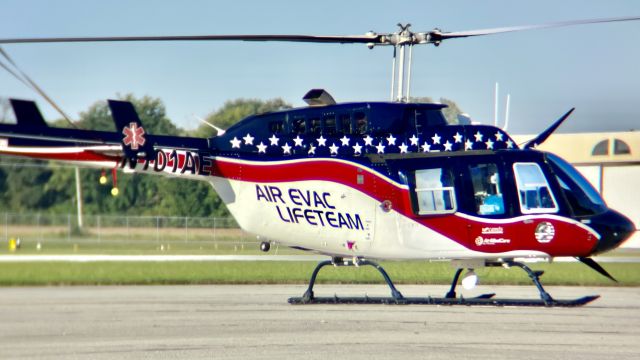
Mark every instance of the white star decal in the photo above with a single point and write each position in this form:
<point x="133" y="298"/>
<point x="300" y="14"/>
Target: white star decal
<point x="403" y="148"/>
<point x="298" y="141"/>
<point x="274" y="140"/>
<point x="235" y="143"/>
<point x="262" y="148"/>
<point x="478" y="136"/>
<point x="498" y="136"/>
<point x="345" y="140"/>
<point x="426" y="147"/>
<point x="286" y="148"/>
<point x="436" y="139"/>
<point x="380" y="148"/>
<point x="248" y="140"/>
<point x="448" y="146"/>
<point x="414" y="140"/>
<point x="368" y="141"/>
<point x="489" y="144"/>
<point x="509" y="144"/>
<point x="334" y="149"/>
<point x="321" y="141"/>
<point x="391" y="139"/>
<point x="312" y="150"/>
<point x="468" y="145"/>
<point x="457" y="137"/>
<point x="357" y="148"/>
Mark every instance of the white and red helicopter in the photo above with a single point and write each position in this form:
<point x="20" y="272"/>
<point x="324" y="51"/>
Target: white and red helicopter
<point x="364" y="181"/>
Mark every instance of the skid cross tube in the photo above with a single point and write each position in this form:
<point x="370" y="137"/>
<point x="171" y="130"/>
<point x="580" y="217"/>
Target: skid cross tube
<point x="309" y="296"/>
<point x="452" y="291"/>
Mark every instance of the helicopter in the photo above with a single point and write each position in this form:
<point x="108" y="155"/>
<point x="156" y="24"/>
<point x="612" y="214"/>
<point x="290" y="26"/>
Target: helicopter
<point x="364" y="181"/>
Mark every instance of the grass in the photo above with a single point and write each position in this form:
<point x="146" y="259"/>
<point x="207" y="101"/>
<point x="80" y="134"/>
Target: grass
<point x="171" y="241"/>
<point x="134" y="273"/>
<point x="230" y="246"/>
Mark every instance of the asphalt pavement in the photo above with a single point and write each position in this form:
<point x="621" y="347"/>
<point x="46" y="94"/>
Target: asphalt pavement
<point x="253" y="321"/>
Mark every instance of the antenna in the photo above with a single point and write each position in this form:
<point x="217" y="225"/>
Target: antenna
<point x="219" y="130"/>
<point x="495" y="105"/>
<point x="506" y="113"/>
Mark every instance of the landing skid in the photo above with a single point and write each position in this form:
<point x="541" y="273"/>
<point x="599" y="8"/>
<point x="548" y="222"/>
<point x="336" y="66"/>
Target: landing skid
<point x="449" y="299"/>
<point x="475" y="301"/>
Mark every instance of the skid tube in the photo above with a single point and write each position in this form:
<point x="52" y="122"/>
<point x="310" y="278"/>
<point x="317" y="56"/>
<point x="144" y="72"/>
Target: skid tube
<point x="449" y="299"/>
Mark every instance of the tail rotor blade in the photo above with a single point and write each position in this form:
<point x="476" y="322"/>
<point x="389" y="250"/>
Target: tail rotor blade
<point x="595" y="266"/>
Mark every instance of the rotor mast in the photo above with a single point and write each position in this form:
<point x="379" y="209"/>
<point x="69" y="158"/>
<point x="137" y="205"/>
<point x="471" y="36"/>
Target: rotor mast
<point x="401" y="64"/>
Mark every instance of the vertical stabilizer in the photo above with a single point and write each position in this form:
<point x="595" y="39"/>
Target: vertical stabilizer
<point x="27" y="113"/>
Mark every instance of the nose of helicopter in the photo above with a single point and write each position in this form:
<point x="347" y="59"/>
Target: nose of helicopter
<point x="613" y="227"/>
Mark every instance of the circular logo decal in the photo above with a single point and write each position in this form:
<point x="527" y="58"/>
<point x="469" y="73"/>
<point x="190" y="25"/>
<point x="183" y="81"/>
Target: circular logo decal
<point x="545" y="232"/>
<point x="479" y="241"/>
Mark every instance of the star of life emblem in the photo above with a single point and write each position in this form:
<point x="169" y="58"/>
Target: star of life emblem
<point x="133" y="136"/>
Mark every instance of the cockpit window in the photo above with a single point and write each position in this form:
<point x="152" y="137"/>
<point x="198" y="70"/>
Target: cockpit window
<point x="582" y="197"/>
<point x="487" y="189"/>
<point x="434" y="191"/>
<point x="533" y="189"/>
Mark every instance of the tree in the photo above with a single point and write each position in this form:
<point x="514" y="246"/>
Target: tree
<point x="151" y="111"/>
<point x="235" y="110"/>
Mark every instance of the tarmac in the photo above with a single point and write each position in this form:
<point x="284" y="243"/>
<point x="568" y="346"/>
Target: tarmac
<point x="256" y="322"/>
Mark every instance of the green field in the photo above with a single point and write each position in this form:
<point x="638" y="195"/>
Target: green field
<point x="267" y="272"/>
<point x="50" y="240"/>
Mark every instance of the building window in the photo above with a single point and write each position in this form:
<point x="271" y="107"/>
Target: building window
<point x="601" y="148"/>
<point x="620" y="147"/>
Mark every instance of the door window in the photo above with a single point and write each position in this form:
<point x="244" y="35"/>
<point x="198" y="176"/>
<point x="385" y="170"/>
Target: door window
<point x="434" y="191"/>
<point x="487" y="189"/>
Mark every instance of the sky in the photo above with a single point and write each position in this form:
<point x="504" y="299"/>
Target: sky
<point x="594" y="68"/>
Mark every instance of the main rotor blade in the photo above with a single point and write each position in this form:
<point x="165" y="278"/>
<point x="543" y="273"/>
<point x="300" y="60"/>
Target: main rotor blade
<point x="595" y="266"/>
<point x="358" y="39"/>
<point x="460" y="34"/>
<point x="400" y="38"/>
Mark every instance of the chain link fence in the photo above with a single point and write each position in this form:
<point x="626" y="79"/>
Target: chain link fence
<point x="109" y="233"/>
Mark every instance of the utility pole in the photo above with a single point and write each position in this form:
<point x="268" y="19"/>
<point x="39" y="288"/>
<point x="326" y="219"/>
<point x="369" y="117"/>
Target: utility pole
<point x="79" y="197"/>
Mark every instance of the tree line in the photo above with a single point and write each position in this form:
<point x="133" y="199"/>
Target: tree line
<point x="37" y="186"/>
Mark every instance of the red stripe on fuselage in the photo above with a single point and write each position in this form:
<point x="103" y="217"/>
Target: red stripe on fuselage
<point x="496" y="236"/>
<point x="88" y="156"/>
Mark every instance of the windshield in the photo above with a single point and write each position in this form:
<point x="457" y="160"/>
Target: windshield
<point x="583" y="198"/>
